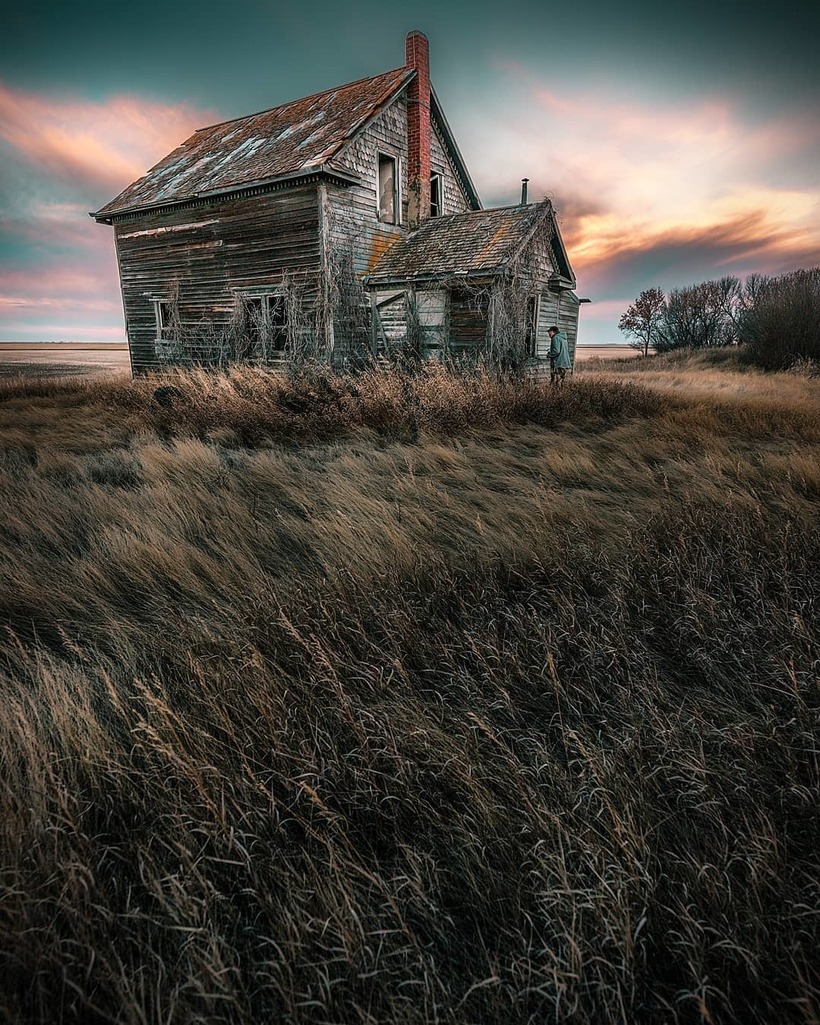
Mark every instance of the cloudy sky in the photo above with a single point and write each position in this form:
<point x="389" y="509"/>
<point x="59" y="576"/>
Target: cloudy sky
<point x="679" y="142"/>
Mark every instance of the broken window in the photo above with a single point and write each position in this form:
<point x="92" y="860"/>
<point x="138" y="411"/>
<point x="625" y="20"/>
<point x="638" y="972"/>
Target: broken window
<point x="255" y="320"/>
<point x="388" y="190"/>
<point x="435" y="195"/>
<point x="162" y="312"/>
<point x="266" y="322"/>
<point x="278" y="320"/>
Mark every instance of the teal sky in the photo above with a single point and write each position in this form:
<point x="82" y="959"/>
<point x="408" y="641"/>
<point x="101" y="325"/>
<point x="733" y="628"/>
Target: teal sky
<point x="678" y="143"/>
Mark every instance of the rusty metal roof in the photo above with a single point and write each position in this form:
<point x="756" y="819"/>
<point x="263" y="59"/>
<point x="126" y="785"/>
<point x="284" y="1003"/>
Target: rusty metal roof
<point x="296" y="137"/>
<point x="478" y="242"/>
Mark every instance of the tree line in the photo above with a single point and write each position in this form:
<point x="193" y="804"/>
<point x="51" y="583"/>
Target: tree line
<point x="776" y="318"/>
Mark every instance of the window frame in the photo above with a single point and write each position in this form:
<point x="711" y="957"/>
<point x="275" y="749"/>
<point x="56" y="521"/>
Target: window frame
<point x="266" y="301"/>
<point x="438" y="178"/>
<point x="161" y="316"/>
<point x="396" y="160"/>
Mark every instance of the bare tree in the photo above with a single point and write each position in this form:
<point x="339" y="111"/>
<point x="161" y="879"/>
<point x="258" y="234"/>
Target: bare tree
<point x="728" y="296"/>
<point x="700" y="316"/>
<point x="642" y="319"/>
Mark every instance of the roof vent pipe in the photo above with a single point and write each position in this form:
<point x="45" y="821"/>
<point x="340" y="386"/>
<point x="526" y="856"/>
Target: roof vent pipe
<point x="524" y="191"/>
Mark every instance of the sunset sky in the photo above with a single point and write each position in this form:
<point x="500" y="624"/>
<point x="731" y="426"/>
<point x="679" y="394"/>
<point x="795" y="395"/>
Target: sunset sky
<point x="678" y="142"/>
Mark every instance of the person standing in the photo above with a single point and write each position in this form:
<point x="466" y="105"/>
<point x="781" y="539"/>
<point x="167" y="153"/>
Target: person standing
<point x="560" y="361"/>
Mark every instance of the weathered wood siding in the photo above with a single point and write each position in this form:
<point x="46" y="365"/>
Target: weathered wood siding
<point x="206" y="252"/>
<point x="469" y="320"/>
<point x="547" y="316"/>
<point x="568" y="307"/>
<point x="454" y="198"/>
<point x="353" y="222"/>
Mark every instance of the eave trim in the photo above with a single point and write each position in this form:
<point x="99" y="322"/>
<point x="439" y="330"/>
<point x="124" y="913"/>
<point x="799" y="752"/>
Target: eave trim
<point x="320" y="173"/>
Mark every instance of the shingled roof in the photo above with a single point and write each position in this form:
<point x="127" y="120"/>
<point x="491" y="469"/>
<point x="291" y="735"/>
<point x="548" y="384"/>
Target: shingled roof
<point x="293" y="139"/>
<point x="478" y="242"/>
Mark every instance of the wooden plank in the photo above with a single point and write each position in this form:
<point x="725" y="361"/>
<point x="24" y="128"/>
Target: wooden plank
<point x="237" y="244"/>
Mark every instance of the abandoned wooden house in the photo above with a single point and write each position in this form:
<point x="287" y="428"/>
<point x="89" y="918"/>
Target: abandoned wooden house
<point x="340" y="226"/>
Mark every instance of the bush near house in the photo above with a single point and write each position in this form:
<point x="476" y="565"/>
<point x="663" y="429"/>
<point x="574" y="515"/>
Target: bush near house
<point x="409" y="699"/>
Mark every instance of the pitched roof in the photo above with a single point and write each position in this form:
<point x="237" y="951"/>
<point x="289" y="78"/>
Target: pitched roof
<point x="292" y="139"/>
<point x="477" y="242"/>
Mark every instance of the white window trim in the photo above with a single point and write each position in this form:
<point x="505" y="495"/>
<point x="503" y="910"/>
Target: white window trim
<point x="440" y="178"/>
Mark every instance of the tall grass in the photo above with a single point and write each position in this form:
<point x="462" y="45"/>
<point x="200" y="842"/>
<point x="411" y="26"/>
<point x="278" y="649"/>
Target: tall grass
<point x="408" y="700"/>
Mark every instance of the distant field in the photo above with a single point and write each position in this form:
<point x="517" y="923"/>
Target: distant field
<point x="58" y="360"/>
<point x="587" y="352"/>
<point x="92" y="358"/>
<point x="58" y="346"/>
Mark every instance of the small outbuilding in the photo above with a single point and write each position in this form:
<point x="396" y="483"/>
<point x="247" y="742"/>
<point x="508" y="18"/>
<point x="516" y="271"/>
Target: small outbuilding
<point x="483" y="283"/>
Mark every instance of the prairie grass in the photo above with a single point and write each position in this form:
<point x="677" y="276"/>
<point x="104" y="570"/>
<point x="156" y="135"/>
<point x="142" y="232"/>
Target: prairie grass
<point x="414" y="700"/>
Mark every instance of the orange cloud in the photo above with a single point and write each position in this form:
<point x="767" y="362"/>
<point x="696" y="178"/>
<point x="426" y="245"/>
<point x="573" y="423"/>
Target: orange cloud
<point x="112" y="142"/>
<point x="631" y="175"/>
<point x="71" y="154"/>
<point x="773" y="226"/>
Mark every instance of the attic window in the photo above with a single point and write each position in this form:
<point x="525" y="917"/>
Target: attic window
<point x="388" y="190"/>
<point x="435" y="195"/>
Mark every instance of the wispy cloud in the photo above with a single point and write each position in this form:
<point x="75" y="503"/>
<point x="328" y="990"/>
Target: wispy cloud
<point x="760" y="228"/>
<point x="60" y="157"/>
<point x="110" y="143"/>
<point x="647" y="187"/>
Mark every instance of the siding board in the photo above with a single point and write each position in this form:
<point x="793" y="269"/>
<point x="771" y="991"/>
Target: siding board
<point x="234" y="245"/>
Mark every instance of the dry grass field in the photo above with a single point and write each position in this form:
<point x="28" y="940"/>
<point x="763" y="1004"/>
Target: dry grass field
<point x="411" y="699"/>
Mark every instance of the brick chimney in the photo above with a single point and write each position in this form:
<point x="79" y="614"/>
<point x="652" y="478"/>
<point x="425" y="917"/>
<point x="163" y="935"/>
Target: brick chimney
<point x="417" y="56"/>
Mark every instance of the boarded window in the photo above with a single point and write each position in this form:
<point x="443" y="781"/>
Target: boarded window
<point x="388" y="191"/>
<point x="468" y="320"/>
<point x="391" y="321"/>
<point x="435" y="195"/>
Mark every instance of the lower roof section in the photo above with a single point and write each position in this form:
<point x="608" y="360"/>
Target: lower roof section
<point x="469" y="244"/>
